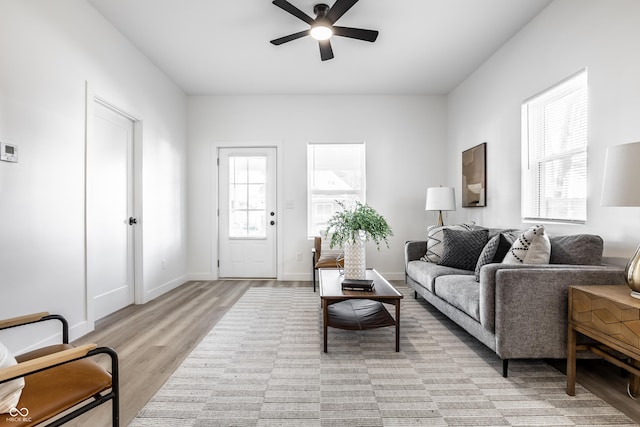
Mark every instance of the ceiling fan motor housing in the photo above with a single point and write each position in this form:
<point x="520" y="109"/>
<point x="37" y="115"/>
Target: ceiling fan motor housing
<point x="321" y="10"/>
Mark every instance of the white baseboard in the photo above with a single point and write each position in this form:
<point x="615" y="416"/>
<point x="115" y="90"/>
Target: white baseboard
<point x="164" y="288"/>
<point x="195" y="277"/>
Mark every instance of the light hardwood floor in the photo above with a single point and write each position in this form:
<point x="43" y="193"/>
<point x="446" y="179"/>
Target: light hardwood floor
<point x="153" y="339"/>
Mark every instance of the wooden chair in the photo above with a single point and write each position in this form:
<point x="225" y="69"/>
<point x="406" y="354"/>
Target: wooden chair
<point x="332" y="259"/>
<point x="61" y="381"/>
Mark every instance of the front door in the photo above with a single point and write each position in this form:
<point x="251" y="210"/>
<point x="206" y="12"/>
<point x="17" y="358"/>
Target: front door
<point x="109" y="205"/>
<point x="247" y="220"/>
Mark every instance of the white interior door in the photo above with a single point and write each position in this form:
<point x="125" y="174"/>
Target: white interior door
<point x="110" y="220"/>
<point x="247" y="220"/>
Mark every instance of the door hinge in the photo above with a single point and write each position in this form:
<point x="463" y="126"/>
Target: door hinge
<point x="218" y="161"/>
<point x="218" y="263"/>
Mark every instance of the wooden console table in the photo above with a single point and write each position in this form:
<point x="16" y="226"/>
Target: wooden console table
<point x="609" y="315"/>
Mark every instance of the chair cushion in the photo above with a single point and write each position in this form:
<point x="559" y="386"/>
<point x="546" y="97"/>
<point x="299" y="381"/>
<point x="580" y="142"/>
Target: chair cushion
<point x="330" y="263"/>
<point x="10" y="391"/>
<point x="55" y="390"/>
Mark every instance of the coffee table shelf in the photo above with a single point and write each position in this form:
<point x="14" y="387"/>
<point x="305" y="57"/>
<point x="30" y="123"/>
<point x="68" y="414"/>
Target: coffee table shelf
<point x="358" y="310"/>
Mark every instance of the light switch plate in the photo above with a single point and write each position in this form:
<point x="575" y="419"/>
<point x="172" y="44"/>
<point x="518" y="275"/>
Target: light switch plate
<point x="8" y="152"/>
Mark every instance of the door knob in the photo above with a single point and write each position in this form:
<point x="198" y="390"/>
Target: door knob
<point x="272" y="223"/>
<point x="133" y="220"/>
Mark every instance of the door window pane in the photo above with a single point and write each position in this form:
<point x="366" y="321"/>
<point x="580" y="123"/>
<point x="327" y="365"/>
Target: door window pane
<point x="247" y="196"/>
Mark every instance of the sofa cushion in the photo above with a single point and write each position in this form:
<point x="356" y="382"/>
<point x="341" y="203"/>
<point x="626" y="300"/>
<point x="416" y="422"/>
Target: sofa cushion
<point x="425" y="273"/>
<point x="585" y="249"/>
<point x="435" y="238"/>
<point x="461" y="291"/>
<point x="462" y="248"/>
<point x="532" y="247"/>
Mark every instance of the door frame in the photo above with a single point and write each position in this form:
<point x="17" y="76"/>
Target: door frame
<point x="92" y="96"/>
<point x="215" y="200"/>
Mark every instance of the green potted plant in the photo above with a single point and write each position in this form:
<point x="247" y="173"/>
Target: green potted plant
<point x="350" y="228"/>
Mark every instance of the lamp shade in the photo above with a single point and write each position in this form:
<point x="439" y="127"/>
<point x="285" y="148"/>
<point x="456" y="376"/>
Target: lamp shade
<point x="441" y="199"/>
<point x="621" y="183"/>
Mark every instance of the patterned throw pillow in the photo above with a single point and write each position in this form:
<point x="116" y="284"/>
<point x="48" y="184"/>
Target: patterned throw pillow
<point x="435" y="237"/>
<point x="462" y="248"/>
<point x="488" y="254"/>
<point x="10" y="391"/>
<point x="495" y="250"/>
<point x="532" y="247"/>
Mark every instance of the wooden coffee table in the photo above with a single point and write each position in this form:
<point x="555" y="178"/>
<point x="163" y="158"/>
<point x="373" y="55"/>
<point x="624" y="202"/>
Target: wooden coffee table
<point x="357" y="310"/>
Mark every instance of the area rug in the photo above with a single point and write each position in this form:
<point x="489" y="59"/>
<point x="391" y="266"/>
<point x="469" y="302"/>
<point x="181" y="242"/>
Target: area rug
<point x="263" y="365"/>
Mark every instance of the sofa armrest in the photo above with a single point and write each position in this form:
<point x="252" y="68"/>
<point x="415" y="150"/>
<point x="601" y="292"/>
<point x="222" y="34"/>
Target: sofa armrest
<point x="529" y="305"/>
<point x="414" y="250"/>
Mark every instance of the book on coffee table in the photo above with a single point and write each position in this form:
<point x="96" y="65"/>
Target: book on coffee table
<point x="357" y="285"/>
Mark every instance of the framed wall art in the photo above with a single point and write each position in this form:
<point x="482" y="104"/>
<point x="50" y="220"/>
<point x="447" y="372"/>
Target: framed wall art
<point x="474" y="178"/>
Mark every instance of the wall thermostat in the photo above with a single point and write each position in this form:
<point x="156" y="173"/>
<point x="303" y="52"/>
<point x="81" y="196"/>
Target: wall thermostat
<point x="8" y="152"/>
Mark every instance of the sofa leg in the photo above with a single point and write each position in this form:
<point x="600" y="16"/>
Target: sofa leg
<point x="415" y="294"/>
<point x="505" y="367"/>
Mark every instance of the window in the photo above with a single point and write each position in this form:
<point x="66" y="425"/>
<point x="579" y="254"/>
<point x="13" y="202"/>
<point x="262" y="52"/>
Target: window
<point x="334" y="172"/>
<point x="554" y="153"/>
<point x="247" y="196"/>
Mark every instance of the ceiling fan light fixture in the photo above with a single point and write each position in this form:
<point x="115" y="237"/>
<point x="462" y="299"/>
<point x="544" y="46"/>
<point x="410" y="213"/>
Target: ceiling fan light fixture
<point x="321" y="32"/>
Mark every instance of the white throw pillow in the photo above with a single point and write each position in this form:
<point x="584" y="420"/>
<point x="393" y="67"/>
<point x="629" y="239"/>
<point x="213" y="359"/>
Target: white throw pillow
<point x="326" y="252"/>
<point x="10" y="391"/>
<point x="532" y="247"/>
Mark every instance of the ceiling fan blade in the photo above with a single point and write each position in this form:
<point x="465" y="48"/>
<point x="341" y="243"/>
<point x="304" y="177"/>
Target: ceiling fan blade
<point x="356" y="33"/>
<point x="338" y="9"/>
<point x="325" y="50"/>
<point x="285" y="5"/>
<point x="290" y="37"/>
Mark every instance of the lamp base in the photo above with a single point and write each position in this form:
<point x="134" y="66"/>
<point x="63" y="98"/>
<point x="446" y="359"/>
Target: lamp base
<point x="632" y="274"/>
<point x="440" y="221"/>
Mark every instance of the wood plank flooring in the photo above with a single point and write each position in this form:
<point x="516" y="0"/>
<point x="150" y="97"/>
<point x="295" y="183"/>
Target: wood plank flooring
<point x="153" y="339"/>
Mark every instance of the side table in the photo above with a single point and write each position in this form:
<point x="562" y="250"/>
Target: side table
<point x="609" y="315"/>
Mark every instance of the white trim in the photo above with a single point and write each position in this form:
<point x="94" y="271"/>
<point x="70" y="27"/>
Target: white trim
<point x="164" y="288"/>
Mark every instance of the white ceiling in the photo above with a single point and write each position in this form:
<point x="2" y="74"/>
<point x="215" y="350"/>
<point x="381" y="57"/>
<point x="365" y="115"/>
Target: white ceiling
<point x="210" y="47"/>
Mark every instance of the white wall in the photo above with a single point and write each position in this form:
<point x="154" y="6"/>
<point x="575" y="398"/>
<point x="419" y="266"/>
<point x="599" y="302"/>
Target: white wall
<point x="405" y="145"/>
<point x="48" y="49"/>
<point x="566" y="37"/>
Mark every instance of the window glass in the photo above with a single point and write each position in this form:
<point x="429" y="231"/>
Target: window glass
<point x="247" y="197"/>
<point x="336" y="172"/>
<point x="554" y="153"/>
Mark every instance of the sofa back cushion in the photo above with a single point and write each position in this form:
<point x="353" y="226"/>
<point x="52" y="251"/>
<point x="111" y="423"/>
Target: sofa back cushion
<point x="576" y="249"/>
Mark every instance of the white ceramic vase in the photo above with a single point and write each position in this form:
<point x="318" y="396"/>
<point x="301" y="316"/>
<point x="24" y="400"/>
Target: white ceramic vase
<point x="355" y="263"/>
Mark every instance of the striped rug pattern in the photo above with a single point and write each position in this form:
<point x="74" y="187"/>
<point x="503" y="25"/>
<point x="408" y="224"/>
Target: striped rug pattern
<point x="263" y="365"/>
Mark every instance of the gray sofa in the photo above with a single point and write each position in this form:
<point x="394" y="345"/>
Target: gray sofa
<point x="518" y="311"/>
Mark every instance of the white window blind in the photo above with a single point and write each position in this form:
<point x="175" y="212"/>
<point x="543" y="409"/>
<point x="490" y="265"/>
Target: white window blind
<point x="334" y="172"/>
<point x="554" y="151"/>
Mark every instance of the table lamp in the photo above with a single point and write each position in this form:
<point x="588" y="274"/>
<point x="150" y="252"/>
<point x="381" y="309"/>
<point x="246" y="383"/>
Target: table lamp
<point x="441" y="199"/>
<point x="619" y="188"/>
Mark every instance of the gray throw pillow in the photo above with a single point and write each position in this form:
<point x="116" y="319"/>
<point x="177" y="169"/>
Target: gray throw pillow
<point x="435" y="239"/>
<point x="462" y="248"/>
<point x="494" y="251"/>
<point x="488" y="254"/>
